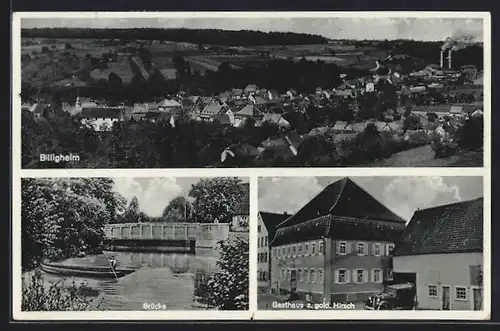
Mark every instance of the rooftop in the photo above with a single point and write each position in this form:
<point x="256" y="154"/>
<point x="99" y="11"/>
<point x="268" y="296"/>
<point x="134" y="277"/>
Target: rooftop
<point x="452" y="228"/>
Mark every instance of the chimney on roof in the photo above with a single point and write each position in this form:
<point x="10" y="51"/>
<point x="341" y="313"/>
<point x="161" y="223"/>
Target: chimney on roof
<point x="285" y="213"/>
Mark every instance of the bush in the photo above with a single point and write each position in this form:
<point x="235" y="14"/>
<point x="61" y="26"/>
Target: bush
<point x="37" y="297"/>
<point x="227" y="289"/>
<point x="444" y="149"/>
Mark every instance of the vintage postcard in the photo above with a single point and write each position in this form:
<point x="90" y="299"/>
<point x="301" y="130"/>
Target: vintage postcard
<point x="251" y="165"/>
<point x="372" y="243"/>
<point x="197" y="90"/>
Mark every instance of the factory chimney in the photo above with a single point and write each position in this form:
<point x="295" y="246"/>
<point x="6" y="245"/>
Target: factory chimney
<point x="441" y="59"/>
<point x="449" y="58"/>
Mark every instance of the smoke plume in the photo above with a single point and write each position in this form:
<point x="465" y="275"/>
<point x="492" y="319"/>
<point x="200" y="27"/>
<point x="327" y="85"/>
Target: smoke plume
<point x="458" y="41"/>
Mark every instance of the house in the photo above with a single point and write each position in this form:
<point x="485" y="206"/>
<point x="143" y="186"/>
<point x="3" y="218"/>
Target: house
<point x="276" y="119"/>
<point x="38" y="109"/>
<point x="456" y="110"/>
<point x="337" y="248"/>
<point x="209" y="111"/>
<point x="249" y="111"/>
<point x="266" y="229"/>
<point x="239" y="154"/>
<point x="286" y="146"/>
<point x="250" y="89"/>
<point x="223" y="119"/>
<point x="239" y="222"/>
<point x="101" y="119"/>
<point x="339" y="126"/>
<point x="323" y="130"/>
<point x="169" y="105"/>
<point x="441" y="252"/>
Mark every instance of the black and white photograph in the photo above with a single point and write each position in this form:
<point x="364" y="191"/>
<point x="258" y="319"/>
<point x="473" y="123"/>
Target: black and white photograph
<point x="241" y="90"/>
<point x="134" y="244"/>
<point x="371" y="243"/>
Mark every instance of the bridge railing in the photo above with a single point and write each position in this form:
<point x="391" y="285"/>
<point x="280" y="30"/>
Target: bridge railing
<point x="167" y="231"/>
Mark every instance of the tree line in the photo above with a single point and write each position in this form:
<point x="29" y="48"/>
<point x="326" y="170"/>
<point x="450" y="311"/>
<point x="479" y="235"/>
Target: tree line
<point x="195" y="36"/>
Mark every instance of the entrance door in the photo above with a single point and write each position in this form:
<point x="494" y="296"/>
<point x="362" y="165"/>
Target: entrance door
<point x="293" y="280"/>
<point x="478" y="299"/>
<point x="446" y="298"/>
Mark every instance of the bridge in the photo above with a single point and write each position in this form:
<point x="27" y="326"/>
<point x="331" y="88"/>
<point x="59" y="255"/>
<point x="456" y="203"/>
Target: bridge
<point x="165" y="236"/>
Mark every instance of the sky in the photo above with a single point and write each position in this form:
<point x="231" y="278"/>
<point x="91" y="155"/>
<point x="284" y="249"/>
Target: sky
<point x="154" y="194"/>
<point x="428" y="29"/>
<point x="402" y="195"/>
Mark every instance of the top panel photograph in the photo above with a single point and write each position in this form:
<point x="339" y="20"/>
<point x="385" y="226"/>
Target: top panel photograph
<point x="280" y="90"/>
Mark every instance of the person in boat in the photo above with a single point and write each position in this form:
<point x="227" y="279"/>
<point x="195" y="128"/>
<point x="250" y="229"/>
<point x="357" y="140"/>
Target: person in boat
<point x="112" y="262"/>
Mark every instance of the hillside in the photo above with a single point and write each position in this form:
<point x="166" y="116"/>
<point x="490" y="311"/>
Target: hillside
<point x="196" y="36"/>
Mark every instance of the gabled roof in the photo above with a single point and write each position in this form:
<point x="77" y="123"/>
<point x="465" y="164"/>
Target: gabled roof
<point x="212" y="109"/>
<point x="340" y="125"/>
<point x="271" y="220"/>
<point x="249" y="111"/>
<point x="169" y="103"/>
<point x="343" y="198"/>
<point x="452" y="228"/>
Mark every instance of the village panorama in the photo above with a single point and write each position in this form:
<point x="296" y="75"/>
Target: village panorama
<point x="154" y="97"/>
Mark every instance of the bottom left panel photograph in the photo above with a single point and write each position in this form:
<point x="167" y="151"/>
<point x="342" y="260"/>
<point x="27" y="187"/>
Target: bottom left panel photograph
<point x="134" y="244"/>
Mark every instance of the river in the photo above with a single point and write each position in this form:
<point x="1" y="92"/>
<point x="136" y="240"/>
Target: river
<point x="167" y="279"/>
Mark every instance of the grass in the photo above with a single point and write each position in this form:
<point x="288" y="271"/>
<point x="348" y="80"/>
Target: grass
<point x="424" y="157"/>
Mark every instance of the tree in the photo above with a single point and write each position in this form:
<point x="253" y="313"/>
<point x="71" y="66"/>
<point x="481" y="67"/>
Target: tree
<point x="68" y="46"/>
<point x="227" y="289"/>
<point x="216" y="199"/>
<point x="178" y="210"/>
<point x="132" y="214"/>
<point x="63" y="217"/>
<point x="412" y="123"/>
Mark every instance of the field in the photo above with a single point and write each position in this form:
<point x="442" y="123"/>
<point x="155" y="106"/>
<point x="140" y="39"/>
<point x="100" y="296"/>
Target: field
<point x="60" y="64"/>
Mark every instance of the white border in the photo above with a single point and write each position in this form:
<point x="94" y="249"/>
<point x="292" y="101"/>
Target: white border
<point x="252" y="173"/>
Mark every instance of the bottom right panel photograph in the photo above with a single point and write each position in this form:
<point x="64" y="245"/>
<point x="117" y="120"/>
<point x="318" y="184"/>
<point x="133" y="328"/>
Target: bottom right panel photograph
<point x="370" y="243"/>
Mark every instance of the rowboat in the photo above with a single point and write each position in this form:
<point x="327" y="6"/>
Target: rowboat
<point x="84" y="271"/>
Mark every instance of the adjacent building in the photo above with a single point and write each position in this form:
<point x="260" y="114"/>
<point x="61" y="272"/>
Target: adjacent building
<point x="337" y="248"/>
<point x="266" y="230"/>
<point x="441" y="252"/>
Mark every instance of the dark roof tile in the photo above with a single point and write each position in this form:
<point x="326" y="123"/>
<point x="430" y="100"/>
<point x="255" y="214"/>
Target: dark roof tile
<point x="271" y="221"/>
<point x="452" y="228"/>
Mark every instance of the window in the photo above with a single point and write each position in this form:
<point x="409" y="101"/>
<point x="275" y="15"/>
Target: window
<point x="320" y="276"/>
<point x="342" y="276"/>
<point x="433" y="290"/>
<point x="376" y="249"/>
<point x="313" y="276"/>
<point x="390" y="248"/>
<point x="313" y="248"/>
<point x="288" y="274"/>
<point x="288" y="250"/>
<point x="306" y="250"/>
<point x="342" y="248"/>
<point x="265" y="241"/>
<point x="293" y="249"/>
<point x="321" y="247"/>
<point x="282" y="274"/>
<point x="265" y="257"/>
<point x="460" y="293"/>
<point x="361" y="249"/>
<point x="300" y="248"/>
<point x="360" y="276"/>
<point x="301" y="276"/>
<point x="377" y="276"/>
<point x="306" y="276"/>
<point x="259" y="228"/>
<point x="264" y="275"/>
